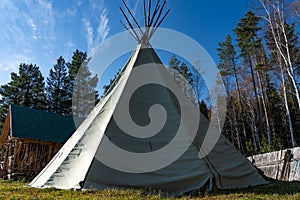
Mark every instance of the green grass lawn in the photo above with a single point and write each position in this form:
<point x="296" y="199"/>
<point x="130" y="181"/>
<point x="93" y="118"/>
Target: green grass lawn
<point x="274" y="190"/>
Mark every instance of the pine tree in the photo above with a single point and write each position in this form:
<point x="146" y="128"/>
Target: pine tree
<point x="57" y="88"/>
<point x="180" y="69"/>
<point x="3" y="111"/>
<point x="228" y="69"/>
<point x="82" y="85"/>
<point x="276" y="110"/>
<point x="204" y="109"/>
<point x="107" y="87"/>
<point x="182" y="75"/>
<point x="78" y="59"/>
<point x="248" y="41"/>
<point x="27" y="88"/>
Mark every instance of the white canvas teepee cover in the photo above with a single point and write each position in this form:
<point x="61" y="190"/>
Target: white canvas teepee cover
<point x="85" y="161"/>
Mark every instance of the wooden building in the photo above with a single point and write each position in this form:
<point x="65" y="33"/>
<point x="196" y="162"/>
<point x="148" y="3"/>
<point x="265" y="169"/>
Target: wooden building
<point x="29" y="139"/>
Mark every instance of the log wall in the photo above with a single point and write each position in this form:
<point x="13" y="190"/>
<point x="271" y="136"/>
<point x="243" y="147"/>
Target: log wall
<point x="25" y="157"/>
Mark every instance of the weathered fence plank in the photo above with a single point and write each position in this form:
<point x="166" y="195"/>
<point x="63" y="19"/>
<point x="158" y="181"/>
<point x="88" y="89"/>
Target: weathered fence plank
<point x="281" y="165"/>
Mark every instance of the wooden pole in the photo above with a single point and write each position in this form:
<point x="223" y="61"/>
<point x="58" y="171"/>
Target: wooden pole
<point x="129" y="31"/>
<point x="149" y="12"/>
<point x="157" y="19"/>
<point x="153" y="30"/>
<point x="139" y="28"/>
<point x="157" y="7"/>
<point x="130" y="25"/>
<point x="145" y="14"/>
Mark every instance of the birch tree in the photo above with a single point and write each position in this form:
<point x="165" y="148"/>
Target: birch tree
<point x="275" y="16"/>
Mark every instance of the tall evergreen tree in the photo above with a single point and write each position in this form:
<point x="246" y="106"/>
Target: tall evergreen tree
<point x="204" y="109"/>
<point x="78" y="59"/>
<point x="27" y="88"/>
<point x="228" y="69"/>
<point x="57" y="88"/>
<point x="3" y="111"/>
<point x="262" y="71"/>
<point x="82" y="85"/>
<point x="181" y="69"/>
<point x="293" y="39"/>
<point x="248" y="41"/>
<point x="276" y="110"/>
<point x="107" y="87"/>
<point x="182" y="75"/>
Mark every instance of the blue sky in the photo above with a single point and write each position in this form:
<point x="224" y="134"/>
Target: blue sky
<point x="39" y="31"/>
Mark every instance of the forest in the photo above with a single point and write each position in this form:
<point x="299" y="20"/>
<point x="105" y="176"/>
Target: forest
<point x="259" y="63"/>
<point x="29" y="88"/>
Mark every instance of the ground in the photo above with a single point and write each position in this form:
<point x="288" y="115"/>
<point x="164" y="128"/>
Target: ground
<point x="274" y="190"/>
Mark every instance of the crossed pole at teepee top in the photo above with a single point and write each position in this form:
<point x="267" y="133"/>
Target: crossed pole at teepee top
<point x="151" y="20"/>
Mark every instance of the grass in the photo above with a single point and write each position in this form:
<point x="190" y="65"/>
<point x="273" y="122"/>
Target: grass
<point x="274" y="190"/>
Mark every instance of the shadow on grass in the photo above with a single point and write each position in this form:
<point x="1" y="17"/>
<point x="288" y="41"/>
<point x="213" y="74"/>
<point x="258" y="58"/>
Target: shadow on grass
<point x="273" y="187"/>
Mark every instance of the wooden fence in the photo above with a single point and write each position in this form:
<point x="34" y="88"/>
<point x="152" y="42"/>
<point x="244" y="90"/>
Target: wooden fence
<point x="281" y="165"/>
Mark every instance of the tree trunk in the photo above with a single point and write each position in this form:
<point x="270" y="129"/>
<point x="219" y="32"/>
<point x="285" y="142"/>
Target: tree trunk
<point x="264" y="107"/>
<point x="276" y="20"/>
<point x="254" y="129"/>
<point x="229" y="111"/>
<point x="239" y="141"/>
<point x="255" y="93"/>
<point x="239" y="99"/>
<point x="287" y="106"/>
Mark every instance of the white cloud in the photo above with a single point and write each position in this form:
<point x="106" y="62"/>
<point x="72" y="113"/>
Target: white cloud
<point x="70" y="45"/>
<point x="71" y="11"/>
<point x="89" y="33"/>
<point x="11" y="64"/>
<point x="78" y="2"/>
<point x="27" y="31"/>
<point x="38" y="31"/>
<point x="135" y="7"/>
<point x="103" y="28"/>
<point x="14" y="61"/>
<point x="33" y="26"/>
<point x="96" y="34"/>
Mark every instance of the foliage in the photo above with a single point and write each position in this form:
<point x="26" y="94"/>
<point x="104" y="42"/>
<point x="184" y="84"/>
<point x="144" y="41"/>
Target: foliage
<point x="204" y="109"/>
<point x="227" y="56"/>
<point x="250" y="148"/>
<point x="57" y="88"/>
<point x="66" y="81"/>
<point x="265" y="147"/>
<point x="27" y="88"/>
<point x="262" y="112"/>
<point x="246" y="33"/>
<point x="82" y="85"/>
<point x="180" y="72"/>
<point x="107" y="87"/>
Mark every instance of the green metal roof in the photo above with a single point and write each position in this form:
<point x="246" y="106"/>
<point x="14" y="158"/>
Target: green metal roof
<point x="40" y="125"/>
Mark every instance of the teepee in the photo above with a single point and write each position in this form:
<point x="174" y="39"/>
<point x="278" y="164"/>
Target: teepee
<point x="103" y="154"/>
